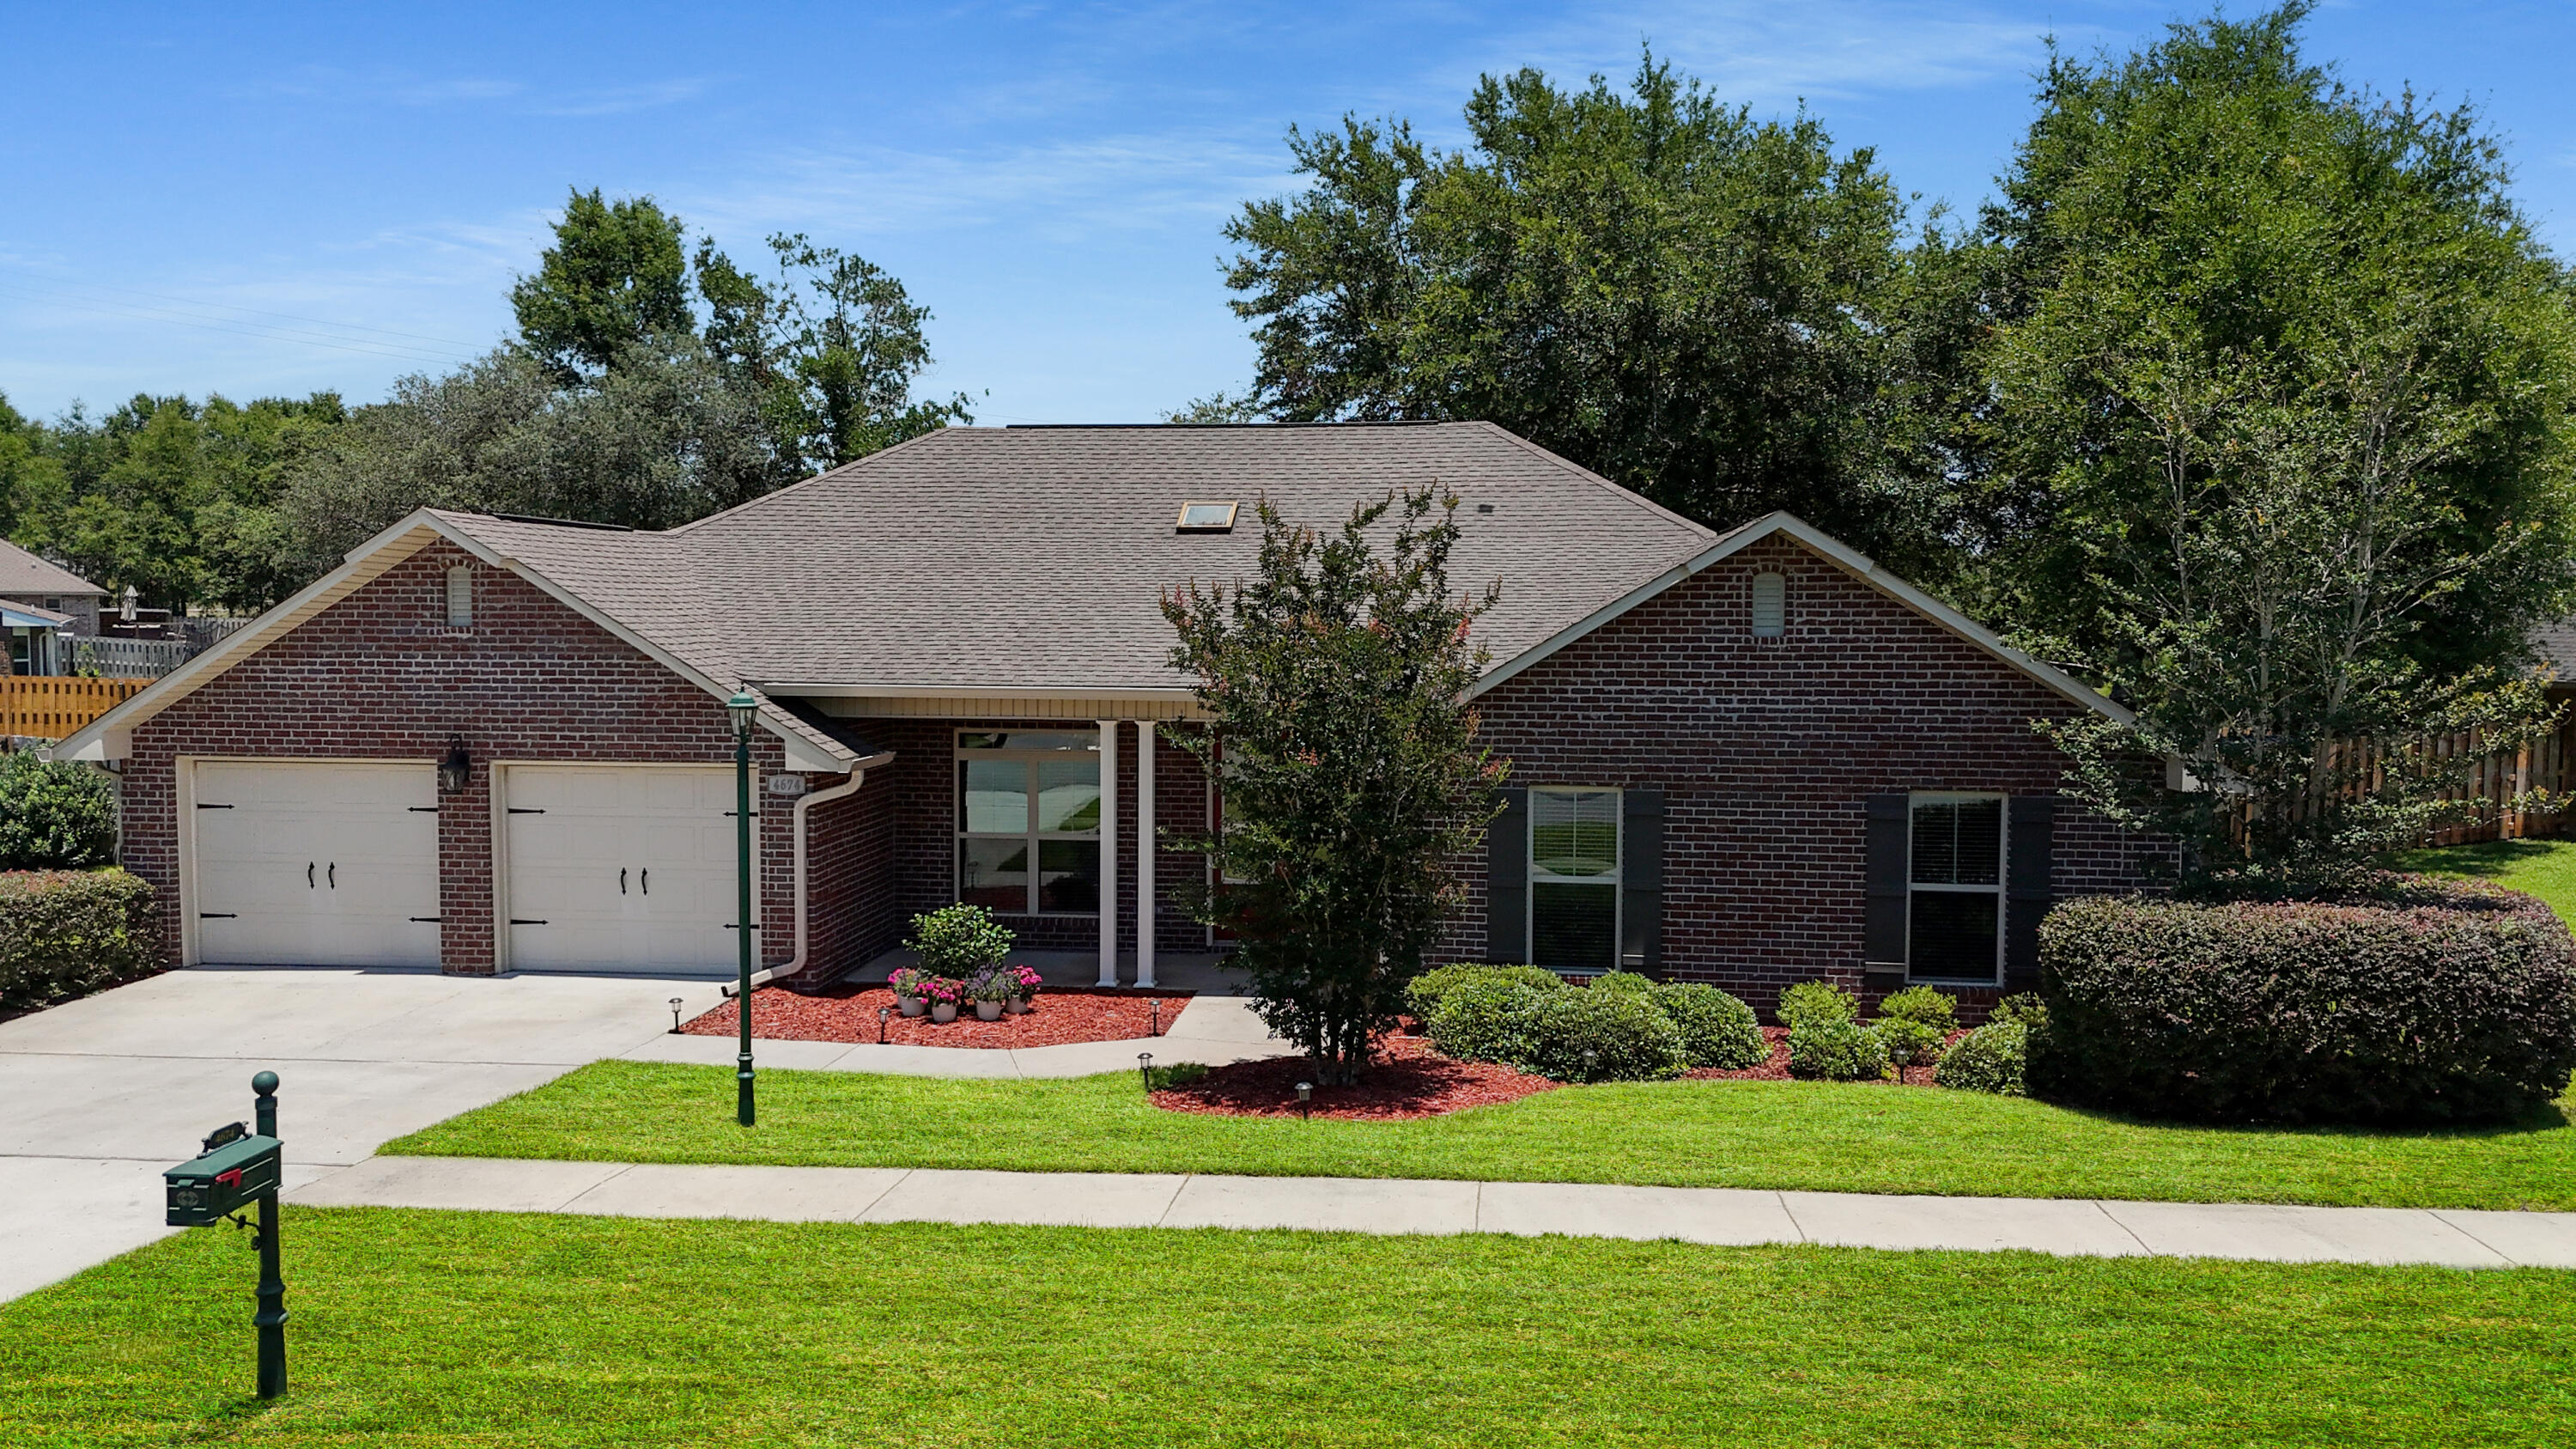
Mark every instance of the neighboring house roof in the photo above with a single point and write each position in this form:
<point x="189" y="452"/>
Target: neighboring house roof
<point x="2555" y="643"/>
<point x="28" y="616"/>
<point x="1030" y="562"/>
<point x="22" y="572"/>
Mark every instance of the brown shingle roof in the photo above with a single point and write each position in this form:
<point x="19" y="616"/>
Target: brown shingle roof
<point x="1034" y="558"/>
<point x="22" y="572"/>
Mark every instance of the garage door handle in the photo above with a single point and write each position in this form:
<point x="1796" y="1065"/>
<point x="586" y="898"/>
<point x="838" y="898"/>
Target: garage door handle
<point x="334" y="874"/>
<point x="621" y="880"/>
<point x="308" y="875"/>
<point x="202" y="805"/>
<point x="433" y="920"/>
<point x="648" y="880"/>
<point x="523" y="810"/>
<point x="218" y="915"/>
<point x="515" y="921"/>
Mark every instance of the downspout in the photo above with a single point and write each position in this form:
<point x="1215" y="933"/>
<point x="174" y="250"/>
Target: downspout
<point x="804" y="803"/>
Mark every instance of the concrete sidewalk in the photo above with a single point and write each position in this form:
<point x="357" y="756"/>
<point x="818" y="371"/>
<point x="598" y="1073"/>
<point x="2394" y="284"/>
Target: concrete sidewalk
<point x="2071" y="1227"/>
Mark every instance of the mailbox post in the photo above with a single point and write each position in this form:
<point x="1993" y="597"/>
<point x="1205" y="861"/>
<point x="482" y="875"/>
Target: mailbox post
<point x="236" y="1171"/>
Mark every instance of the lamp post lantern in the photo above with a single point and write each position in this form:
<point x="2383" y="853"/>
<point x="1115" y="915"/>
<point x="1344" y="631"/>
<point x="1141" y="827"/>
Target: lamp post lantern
<point x="742" y="707"/>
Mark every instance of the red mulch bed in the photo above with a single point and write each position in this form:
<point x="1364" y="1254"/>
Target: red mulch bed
<point x="1776" y="1068"/>
<point x="1408" y="1079"/>
<point x="849" y="1013"/>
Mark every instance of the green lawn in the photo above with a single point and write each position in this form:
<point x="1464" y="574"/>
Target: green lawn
<point x="1814" y="1135"/>
<point x="421" y="1328"/>
<point x="2545" y="868"/>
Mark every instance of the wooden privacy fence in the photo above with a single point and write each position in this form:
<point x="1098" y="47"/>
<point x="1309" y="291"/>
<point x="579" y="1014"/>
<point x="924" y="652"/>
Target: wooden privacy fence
<point x="2496" y="776"/>
<point x="49" y="707"/>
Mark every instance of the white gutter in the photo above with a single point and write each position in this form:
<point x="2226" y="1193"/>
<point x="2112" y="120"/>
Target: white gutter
<point x="803" y="933"/>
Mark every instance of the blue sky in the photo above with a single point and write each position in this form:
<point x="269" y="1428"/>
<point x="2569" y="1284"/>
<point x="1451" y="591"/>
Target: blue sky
<point x="258" y="200"/>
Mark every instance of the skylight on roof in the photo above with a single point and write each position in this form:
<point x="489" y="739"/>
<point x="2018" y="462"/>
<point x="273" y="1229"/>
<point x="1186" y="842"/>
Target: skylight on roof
<point x="1206" y="518"/>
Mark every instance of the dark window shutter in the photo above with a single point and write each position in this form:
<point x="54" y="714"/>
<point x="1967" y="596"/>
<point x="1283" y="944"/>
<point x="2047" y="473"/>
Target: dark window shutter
<point x="2031" y="837"/>
<point x="1507" y="880"/>
<point x="1884" y="882"/>
<point x="1641" y="881"/>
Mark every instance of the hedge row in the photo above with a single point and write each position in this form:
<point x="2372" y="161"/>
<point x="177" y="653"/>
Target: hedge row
<point x="2443" y="1004"/>
<point x="67" y="933"/>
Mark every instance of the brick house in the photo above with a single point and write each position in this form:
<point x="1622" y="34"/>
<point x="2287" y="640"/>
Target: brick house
<point x="500" y="744"/>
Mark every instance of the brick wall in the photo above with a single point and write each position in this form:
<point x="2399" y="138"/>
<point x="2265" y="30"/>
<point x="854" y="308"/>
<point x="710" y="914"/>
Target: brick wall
<point x="1766" y="748"/>
<point x="379" y="675"/>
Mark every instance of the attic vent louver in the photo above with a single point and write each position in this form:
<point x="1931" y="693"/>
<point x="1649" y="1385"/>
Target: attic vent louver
<point x="1206" y="518"/>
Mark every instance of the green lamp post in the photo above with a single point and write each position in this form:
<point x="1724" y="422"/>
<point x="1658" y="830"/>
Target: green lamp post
<point x="742" y="707"/>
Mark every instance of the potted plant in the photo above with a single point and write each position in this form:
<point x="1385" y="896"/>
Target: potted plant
<point x="1025" y="981"/>
<point x="907" y="983"/>
<point x="990" y="990"/>
<point x="943" y="993"/>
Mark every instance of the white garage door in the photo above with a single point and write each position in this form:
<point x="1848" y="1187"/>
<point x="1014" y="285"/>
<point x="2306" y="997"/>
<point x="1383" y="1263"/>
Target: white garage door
<point x="316" y="864"/>
<point x="621" y="868"/>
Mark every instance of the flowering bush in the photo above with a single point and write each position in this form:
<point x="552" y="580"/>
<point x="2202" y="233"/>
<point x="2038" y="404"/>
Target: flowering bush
<point x="908" y="981"/>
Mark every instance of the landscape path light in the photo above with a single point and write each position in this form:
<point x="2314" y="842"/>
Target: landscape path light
<point x="675" y="1015"/>
<point x="1145" y="1069"/>
<point x="882" y="1013"/>
<point x="742" y="707"/>
<point x="1305" y="1095"/>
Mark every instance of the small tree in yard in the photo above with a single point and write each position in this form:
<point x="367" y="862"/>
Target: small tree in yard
<point x="1336" y="684"/>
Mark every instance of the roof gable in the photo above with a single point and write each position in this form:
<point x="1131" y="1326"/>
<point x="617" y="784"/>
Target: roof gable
<point x="1823" y="545"/>
<point x="22" y="572"/>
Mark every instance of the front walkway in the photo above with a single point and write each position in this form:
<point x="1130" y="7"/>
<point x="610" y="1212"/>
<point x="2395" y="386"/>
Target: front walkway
<point x="2067" y="1227"/>
<point x="1211" y="1031"/>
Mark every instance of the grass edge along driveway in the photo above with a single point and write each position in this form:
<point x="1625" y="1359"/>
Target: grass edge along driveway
<point x="1810" y="1136"/>
<point x="444" y="1328"/>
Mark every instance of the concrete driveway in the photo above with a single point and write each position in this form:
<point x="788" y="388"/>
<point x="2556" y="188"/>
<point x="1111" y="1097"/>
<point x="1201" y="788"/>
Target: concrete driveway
<point x="98" y="1096"/>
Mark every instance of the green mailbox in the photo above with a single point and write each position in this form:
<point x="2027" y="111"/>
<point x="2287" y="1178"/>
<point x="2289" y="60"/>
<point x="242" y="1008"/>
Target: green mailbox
<point x="230" y="1177"/>
<point x="236" y="1169"/>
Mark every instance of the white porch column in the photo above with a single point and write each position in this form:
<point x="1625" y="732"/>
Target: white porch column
<point x="1144" y="852"/>
<point x="1108" y="852"/>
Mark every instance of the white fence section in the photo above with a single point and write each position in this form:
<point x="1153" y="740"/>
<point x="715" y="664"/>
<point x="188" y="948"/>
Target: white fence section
<point x="133" y="658"/>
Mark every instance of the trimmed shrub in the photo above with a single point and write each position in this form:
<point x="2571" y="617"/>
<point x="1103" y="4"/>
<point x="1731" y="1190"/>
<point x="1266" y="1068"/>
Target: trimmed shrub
<point x="54" y="816"/>
<point x="1993" y="1058"/>
<point x="1423" y="995"/>
<point x="1817" y="1001"/>
<point x="2432" y="1003"/>
<point x="959" y="941"/>
<point x="1625" y="1037"/>
<point x="68" y="933"/>
<point x="1717" y="1030"/>
<point x="1836" y="1051"/>
<point x="1628" y="981"/>
<point x="1909" y="1042"/>
<point x="1490" y="1019"/>
<point x="2023" y="1008"/>
<point x="1936" y="1009"/>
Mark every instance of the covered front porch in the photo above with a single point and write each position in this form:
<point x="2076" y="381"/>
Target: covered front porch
<point x="1071" y="831"/>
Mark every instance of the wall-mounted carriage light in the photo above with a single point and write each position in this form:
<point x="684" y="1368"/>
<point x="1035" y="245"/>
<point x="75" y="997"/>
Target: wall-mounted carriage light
<point x="456" y="771"/>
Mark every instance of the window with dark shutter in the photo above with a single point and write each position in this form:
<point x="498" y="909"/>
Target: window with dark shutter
<point x="1574" y="879"/>
<point x="1507" y="881"/>
<point x="1955" y="881"/>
